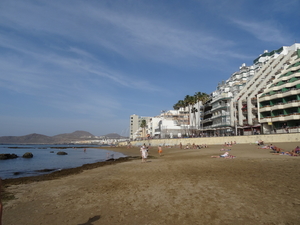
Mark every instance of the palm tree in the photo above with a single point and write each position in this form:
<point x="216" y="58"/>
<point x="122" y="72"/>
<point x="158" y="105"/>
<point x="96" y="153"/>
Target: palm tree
<point x="194" y="110"/>
<point x="203" y="97"/>
<point x="143" y="126"/>
<point x="191" y="101"/>
<point x="188" y="100"/>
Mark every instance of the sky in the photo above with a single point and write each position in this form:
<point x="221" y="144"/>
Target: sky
<point x="89" y="64"/>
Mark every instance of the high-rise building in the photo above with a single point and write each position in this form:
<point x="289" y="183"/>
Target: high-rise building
<point x="221" y="109"/>
<point x="234" y="104"/>
<point x="279" y="104"/>
<point x="267" y="67"/>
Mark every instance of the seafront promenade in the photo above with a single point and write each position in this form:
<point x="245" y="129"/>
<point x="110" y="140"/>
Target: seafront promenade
<point x="270" y="138"/>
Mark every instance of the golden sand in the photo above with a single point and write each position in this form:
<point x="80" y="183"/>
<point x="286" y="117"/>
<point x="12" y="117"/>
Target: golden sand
<point x="184" y="186"/>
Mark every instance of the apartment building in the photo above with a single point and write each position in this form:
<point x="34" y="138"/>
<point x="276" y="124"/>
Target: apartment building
<point x="279" y="104"/>
<point x="221" y="108"/>
<point x="135" y="125"/>
<point x="267" y="67"/>
<point x="169" y="124"/>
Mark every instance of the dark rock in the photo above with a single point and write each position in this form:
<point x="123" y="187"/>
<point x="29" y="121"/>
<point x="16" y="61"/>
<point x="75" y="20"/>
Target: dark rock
<point x="45" y="170"/>
<point x="51" y="151"/>
<point x="8" y="156"/>
<point x="17" y="173"/>
<point x="62" y="153"/>
<point x="28" y="155"/>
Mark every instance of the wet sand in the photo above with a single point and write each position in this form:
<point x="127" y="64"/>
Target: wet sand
<point x="184" y="186"/>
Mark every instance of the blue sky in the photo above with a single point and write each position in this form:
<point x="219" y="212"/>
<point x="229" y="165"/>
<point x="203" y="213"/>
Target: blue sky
<point x="88" y="65"/>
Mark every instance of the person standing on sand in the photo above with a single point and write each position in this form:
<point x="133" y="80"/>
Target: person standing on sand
<point x="159" y="150"/>
<point x="144" y="153"/>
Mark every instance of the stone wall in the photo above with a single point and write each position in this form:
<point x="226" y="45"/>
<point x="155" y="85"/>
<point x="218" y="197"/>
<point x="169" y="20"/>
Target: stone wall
<point x="270" y="138"/>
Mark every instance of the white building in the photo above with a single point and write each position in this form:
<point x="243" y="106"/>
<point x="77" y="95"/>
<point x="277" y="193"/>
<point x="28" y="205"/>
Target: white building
<point x="135" y="126"/>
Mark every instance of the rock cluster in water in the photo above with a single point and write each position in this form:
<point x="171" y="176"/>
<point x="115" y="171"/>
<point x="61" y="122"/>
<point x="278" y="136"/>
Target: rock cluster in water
<point x="8" y="156"/>
<point x="62" y="153"/>
<point x="28" y="155"/>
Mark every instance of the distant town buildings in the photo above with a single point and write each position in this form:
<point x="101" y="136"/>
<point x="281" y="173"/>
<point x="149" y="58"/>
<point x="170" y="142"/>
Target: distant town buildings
<point x="261" y="98"/>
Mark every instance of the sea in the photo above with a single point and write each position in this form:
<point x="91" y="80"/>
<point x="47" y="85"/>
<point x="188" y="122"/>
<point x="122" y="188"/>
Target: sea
<point x="45" y="159"/>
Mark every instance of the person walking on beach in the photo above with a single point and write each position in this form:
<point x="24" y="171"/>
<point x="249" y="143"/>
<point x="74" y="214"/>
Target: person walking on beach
<point x="144" y="153"/>
<point x="159" y="150"/>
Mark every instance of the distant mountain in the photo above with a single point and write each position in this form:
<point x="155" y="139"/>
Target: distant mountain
<point x="30" y="138"/>
<point x="60" y="138"/>
<point x="112" y="135"/>
<point x="73" y="136"/>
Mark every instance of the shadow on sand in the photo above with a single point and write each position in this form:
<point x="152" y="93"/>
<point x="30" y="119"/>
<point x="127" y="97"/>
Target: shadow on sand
<point x="91" y="220"/>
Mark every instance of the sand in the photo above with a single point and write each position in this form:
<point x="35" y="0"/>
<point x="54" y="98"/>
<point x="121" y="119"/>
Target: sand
<point x="180" y="187"/>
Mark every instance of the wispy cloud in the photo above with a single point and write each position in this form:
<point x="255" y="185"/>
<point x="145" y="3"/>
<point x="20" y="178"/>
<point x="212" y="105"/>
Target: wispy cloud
<point x="130" y="35"/>
<point x="266" y="31"/>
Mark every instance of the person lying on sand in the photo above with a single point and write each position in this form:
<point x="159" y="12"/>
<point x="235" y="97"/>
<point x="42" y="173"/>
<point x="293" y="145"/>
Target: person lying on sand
<point x="225" y="155"/>
<point x="286" y="153"/>
<point x="264" y="147"/>
<point x="276" y="149"/>
<point x="223" y="149"/>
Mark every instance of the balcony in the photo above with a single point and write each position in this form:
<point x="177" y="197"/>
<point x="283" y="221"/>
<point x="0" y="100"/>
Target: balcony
<point x="281" y="117"/>
<point x="254" y="110"/>
<point x="222" y="106"/>
<point x="207" y="112"/>
<point x="207" y="120"/>
<point x="220" y="115"/>
<point x="280" y="94"/>
<point x="227" y="124"/>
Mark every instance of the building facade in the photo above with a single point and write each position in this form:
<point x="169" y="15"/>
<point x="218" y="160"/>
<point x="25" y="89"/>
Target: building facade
<point x="279" y="104"/>
<point x="135" y="126"/>
<point x="267" y="67"/>
<point x="222" y="110"/>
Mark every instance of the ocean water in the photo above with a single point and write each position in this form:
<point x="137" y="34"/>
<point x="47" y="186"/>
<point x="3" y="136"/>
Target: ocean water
<point x="44" y="159"/>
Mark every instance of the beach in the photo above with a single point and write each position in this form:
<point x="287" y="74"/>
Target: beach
<point x="183" y="186"/>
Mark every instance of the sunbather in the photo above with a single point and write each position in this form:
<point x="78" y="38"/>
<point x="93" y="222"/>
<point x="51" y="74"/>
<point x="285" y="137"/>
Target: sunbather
<point x="225" y="155"/>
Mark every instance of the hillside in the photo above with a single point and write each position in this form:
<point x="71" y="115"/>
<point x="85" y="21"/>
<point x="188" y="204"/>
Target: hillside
<point x="57" y="139"/>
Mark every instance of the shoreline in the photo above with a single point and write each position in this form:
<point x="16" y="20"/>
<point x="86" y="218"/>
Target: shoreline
<point x="63" y="172"/>
<point x="35" y="168"/>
